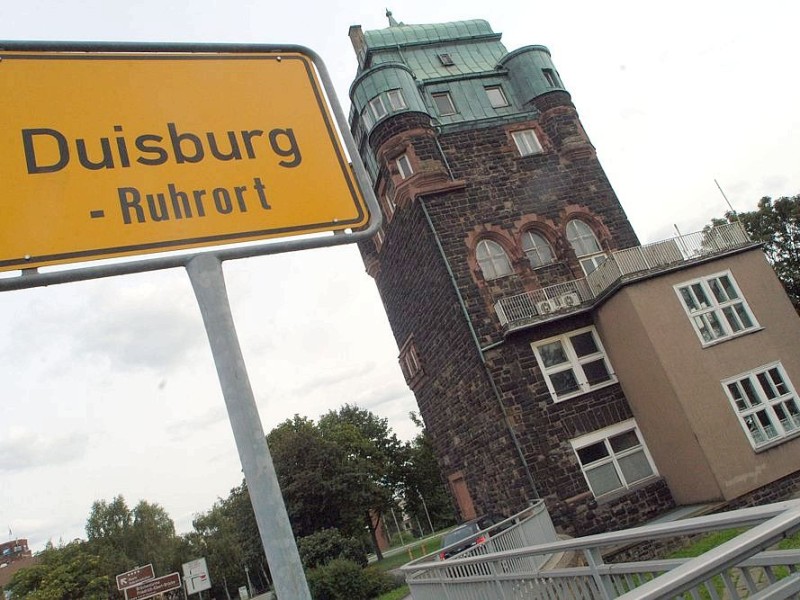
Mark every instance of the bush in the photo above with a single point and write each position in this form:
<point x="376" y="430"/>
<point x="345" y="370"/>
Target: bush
<point x="320" y="548"/>
<point x="343" y="579"/>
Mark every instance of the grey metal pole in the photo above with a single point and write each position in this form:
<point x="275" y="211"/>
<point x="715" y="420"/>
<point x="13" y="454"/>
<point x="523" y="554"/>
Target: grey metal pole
<point x="208" y="281"/>
<point x="397" y="525"/>
<point x="427" y="514"/>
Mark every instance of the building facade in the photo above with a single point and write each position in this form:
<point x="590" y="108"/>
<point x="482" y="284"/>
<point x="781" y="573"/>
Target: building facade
<point x="550" y="354"/>
<point x="14" y="555"/>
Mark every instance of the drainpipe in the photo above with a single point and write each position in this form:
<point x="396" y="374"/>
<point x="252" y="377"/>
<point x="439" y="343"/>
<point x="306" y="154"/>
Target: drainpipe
<point x="479" y="349"/>
<point x="437" y="128"/>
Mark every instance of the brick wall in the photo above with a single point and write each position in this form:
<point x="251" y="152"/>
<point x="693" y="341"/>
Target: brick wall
<point x="473" y="183"/>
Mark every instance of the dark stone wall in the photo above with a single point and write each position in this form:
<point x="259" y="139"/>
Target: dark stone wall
<point x="507" y="193"/>
<point x="454" y="394"/>
<point x="473" y="184"/>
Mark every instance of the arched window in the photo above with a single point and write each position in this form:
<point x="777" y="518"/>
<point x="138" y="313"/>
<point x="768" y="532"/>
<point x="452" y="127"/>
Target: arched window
<point x="492" y="259"/>
<point x="537" y="249"/>
<point x="585" y="245"/>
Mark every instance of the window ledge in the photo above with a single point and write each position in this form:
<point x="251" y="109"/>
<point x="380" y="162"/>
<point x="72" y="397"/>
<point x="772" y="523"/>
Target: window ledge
<point x="777" y="442"/>
<point x="717" y="342"/>
<point x="616" y="494"/>
<point x="612" y="381"/>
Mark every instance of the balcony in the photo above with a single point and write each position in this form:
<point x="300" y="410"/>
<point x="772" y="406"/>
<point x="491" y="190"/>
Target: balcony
<point x="518" y="311"/>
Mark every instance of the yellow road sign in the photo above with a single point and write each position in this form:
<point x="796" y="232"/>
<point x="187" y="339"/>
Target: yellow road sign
<point x="111" y="154"/>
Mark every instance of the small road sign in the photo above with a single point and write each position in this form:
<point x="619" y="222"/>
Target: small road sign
<point x="134" y="576"/>
<point x="151" y="588"/>
<point x="195" y="575"/>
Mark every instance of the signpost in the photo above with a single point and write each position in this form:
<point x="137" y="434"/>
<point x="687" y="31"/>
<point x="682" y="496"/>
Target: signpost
<point x="146" y="152"/>
<point x="153" y="587"/>
<point x="116" y="150"/>
<point x="134" y="576"/>
<point x="195" y="576"/>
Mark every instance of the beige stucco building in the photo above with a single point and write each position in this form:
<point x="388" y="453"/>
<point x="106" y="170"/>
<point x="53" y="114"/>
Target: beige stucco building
<point x="681" y="387"/>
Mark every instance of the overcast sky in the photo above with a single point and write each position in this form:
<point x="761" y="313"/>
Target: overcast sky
<point x="108" y="387"/>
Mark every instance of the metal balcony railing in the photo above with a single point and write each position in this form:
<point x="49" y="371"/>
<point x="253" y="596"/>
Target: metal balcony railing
<point x="739" y="568"/>
<point x="523" y="309"/>
<point x="526" y="528"/>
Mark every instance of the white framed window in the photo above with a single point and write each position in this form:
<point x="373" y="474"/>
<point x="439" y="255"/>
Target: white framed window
<point x="367" y="117"/>
<point x="614" y="459"/>
<point x="492" y="259"/>
<point x="444" y="103"/>
<point x="716" y="307"/>
<point x="766" y="403"/>
<point x="378" y="108"/>
<point x="537" y="249"/>
<point x="527" y="142"/>
<point x="573" y="363"/>
<point x="496" y="96"/>
<point x="404" y="166"/>
<point x="584" y="242"/>
<point x="396" y="99"/>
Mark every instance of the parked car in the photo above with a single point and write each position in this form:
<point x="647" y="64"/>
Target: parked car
<point x="471" y="534"/>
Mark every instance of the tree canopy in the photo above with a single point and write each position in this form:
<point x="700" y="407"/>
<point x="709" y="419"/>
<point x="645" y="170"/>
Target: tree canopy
<point x="337" y="476"/>
<point x="68" y="572"/>
<point x="425" y="497"/>
<point x="119" y="539"/>
<point x="776" y="224"/>
<point x="338" y="473"/>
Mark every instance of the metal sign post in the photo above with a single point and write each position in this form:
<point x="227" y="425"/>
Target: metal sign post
<point x="240" y="146"/>
<point x="208" y="281"/>
<point x="237" y="146"/>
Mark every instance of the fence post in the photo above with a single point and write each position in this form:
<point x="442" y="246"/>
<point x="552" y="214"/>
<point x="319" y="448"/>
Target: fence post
<point x="594" y="559"/>
<point x="498" y="583"/>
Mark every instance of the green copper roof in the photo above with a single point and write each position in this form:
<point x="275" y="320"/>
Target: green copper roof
<point x="404" y="35"/>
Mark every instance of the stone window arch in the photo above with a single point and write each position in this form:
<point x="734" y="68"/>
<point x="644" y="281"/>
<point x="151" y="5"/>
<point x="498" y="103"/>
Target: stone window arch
<point x="537" y="249"/>
<point x="492" y="259"/>
<point x="584" y="242"/>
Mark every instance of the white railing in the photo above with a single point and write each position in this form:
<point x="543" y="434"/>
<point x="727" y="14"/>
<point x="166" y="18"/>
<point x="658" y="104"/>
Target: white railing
<point x="526" y="528"/>
<point x="736" y="569"/>
<point x="529" y="307"/>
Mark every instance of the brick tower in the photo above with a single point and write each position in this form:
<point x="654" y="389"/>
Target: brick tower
<point x="500" y="266"/>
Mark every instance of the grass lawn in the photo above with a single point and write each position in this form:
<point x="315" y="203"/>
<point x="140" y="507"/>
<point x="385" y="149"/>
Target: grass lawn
<point x="712" y="540"/>
<point x="418" y="550"/>
<point x="395" y="594"/>
<point x="717" y="538"/>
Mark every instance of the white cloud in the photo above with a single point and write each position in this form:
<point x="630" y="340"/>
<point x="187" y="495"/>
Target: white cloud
<point x="115" y="379"/>
<point x="28" y="450"/>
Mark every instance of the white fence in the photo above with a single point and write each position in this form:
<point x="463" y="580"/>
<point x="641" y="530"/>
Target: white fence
<point x="739" y="568"/>
<point x="527" y="528"/>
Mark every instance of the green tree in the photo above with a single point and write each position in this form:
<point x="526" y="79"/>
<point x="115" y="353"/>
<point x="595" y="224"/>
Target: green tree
<point x="126" y="538"/>
<point x="372" y="462"/>
<point x="776" y="224"/>
<point x="423" y="492"/>
<point x="153" y="539"/>
<point x="108" y="530"/>
<point x="215" y="539"/>
<point x="313" y="477"/>
<point x="341" y="473"/>
<point x="70" y="572"/>
<point x="227" y="535"/>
